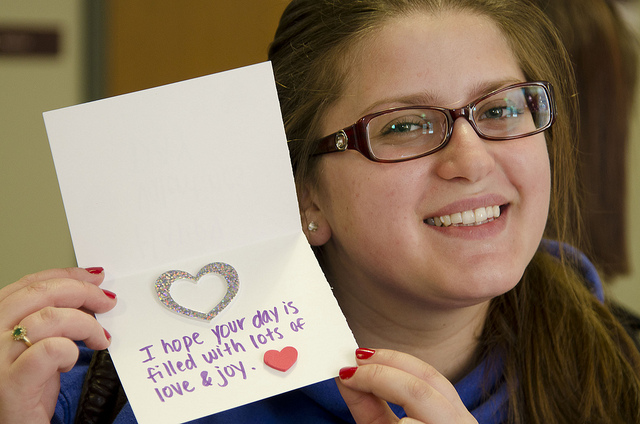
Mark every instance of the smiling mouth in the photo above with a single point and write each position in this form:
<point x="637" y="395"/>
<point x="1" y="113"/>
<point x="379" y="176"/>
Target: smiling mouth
<point x="466" y="218"/>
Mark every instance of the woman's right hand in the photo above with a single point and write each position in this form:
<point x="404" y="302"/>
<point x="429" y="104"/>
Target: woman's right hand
<point x="390" y="376"/>
<point x="56" y="307"/>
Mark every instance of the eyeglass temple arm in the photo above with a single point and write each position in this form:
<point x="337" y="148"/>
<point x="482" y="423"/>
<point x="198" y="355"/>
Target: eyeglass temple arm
<point x="332" y="143"/>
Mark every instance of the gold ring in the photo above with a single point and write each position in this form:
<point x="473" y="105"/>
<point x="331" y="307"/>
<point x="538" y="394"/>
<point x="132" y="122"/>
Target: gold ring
<point x="19" y="333"/>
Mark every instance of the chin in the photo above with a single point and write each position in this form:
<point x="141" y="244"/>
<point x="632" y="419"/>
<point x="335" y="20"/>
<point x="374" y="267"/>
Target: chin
<point x="480" y="288"/>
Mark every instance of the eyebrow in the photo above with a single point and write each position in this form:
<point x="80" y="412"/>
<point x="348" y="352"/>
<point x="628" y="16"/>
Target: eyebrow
<point x="428" y="98"/>
<point x="481" y="89"/>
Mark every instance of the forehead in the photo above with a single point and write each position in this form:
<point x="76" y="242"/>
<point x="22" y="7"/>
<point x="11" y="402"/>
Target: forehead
<point x="445" y="59"/>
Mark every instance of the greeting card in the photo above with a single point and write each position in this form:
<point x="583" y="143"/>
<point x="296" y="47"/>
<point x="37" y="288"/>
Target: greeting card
<point x="184" y="194"/>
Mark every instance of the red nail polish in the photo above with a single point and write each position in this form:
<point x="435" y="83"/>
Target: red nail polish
<point x="106" y="334"/>
<point x="347" y="372"/>
<point x="95" y="270"/>
<point x="110" y="294"/>
<point x="364" y="353"/>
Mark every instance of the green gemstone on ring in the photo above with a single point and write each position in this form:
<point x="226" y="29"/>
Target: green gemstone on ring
<point x="18" y="332"/>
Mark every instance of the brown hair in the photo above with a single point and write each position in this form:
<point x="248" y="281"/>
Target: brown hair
<point x="558" y="343"/>
<point x="604" y="53"/>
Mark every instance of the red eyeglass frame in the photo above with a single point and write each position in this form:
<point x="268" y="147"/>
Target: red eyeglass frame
<point x="355" y="136"/>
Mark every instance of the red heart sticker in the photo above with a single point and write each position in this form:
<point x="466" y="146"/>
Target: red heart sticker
<point x="281" y="360"/>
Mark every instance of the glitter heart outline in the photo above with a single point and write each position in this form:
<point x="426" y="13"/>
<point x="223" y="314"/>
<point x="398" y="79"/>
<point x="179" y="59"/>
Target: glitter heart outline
<point x="164" y="282"/>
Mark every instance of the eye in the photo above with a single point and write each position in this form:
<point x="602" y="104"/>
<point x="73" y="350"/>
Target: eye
<point x="492" y="113"/>
<point x="402" y="127"/>
<point x="407" y="125"/>
<point x="498" y="112"/>
<point x="415" y="129"/>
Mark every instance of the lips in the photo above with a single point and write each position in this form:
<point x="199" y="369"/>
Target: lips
<point x="470" y="217"/>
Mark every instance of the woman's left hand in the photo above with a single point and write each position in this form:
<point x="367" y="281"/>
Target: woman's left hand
<point x="389" y="376"/>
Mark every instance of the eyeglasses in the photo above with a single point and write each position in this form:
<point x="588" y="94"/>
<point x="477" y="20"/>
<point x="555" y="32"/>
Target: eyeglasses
<point x="405" y="133"/>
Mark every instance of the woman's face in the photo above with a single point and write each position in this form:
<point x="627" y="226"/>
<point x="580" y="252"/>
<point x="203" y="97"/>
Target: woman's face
<point x="373" y="216"/>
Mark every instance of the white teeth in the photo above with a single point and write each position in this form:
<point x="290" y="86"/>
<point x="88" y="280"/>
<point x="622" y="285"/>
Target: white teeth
<point x="470" y="217"/>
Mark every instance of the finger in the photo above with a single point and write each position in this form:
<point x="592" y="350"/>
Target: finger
<point x="418" y="398"/>
<point x="31" y="371"/>
<point x="366" y="407"/>
<point x="62" y="292"/>
<point x="31" y="380"/>
<point x="70" y="323"/>
<point x="412" y="365"/>
<point x="90" y="275"/>
<point x="58" y="322"/>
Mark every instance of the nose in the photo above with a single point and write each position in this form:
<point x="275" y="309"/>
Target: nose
<point x="466" y="157"/>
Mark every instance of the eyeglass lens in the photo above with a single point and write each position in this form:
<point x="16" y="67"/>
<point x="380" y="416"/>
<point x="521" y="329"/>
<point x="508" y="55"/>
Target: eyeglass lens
<point x="511" y="113"/>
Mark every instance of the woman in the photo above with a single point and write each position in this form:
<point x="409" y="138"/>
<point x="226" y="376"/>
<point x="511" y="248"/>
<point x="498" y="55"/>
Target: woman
<point x="367" y="60"/>
<point x="429" y="228"/>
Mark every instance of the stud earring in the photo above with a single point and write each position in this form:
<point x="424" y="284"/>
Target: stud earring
<point x="312" y="226"/>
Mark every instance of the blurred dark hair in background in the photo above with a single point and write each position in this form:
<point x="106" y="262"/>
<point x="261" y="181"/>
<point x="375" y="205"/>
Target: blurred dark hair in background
<point x="604" y="52"/>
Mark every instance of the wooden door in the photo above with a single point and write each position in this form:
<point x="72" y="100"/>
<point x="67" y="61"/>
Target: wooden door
<point x="151" y="42"/>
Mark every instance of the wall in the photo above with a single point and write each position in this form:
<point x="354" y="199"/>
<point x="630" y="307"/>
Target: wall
<point x="33" y="227"/>
<point x="626" y="289"/>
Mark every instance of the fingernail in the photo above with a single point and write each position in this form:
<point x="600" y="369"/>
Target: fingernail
<point x="364" y="353"/>
<point x="95" y="270"/>
<point x="347" y="372"/>
<point x="110" y="294"/>
<point x="106" y="334"/>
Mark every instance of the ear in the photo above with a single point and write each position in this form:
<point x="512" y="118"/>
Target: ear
<point x="311" y="211"/>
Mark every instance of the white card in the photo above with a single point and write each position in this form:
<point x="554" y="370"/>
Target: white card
<point x="163" y="183"/>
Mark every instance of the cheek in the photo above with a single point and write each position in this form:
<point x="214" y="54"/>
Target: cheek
<point x="541" y="175"/>
<point x="362" y="193"/>
<point x="529" y="171"/>
<point x="339" y="195"/>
